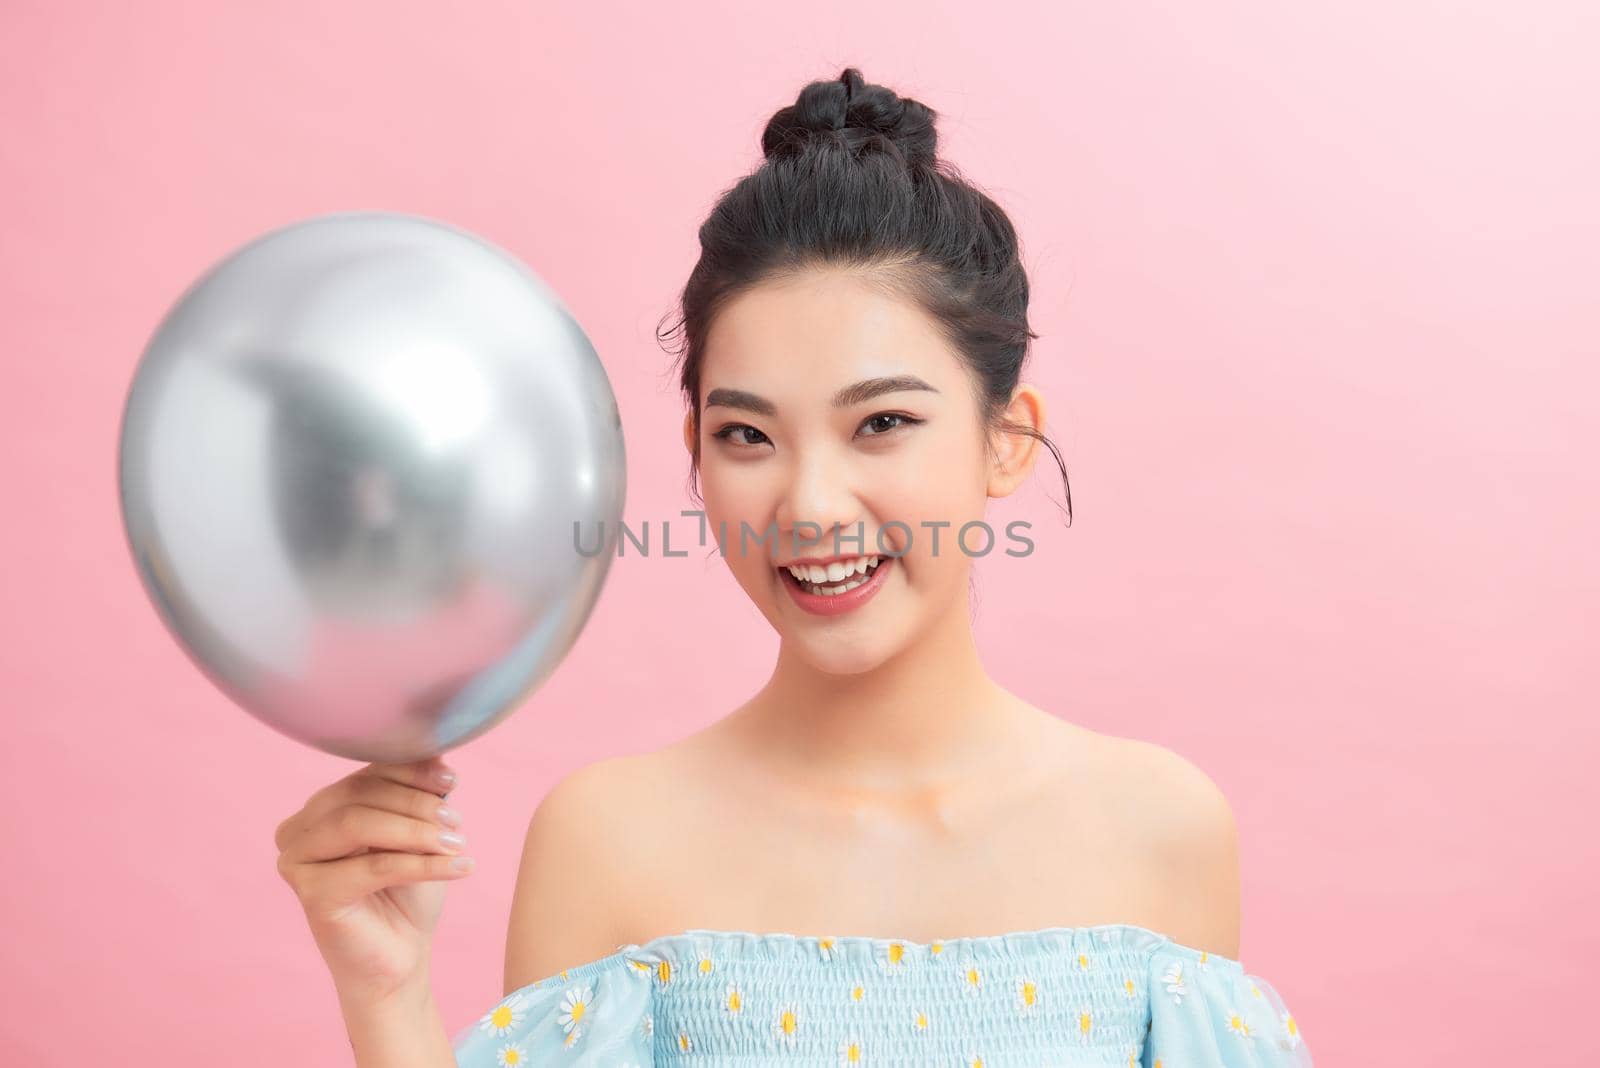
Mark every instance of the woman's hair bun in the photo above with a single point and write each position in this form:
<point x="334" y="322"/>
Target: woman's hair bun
<point x="849" y="112"/>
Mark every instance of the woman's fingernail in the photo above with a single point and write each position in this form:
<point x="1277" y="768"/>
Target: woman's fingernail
<point x="449" y="816"/>
<point x="461" y="863"/>
<point x="451" y="840"/>
<point x="447" y="778"/>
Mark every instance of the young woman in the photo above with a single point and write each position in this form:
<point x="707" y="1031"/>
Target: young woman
<point x="883" y="856"/>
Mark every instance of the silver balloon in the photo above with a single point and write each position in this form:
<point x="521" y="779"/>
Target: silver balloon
<point x="354" y="459"/>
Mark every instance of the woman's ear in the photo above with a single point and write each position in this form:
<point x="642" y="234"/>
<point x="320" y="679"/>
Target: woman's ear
<point x="1016" y="453"/>
<point x="690" y="432"/>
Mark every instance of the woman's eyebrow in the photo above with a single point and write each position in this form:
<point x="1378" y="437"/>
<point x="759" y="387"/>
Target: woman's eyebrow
<point x="856" y="393"/>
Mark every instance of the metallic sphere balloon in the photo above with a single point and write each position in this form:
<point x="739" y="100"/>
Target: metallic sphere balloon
<point x="357" y="461"/>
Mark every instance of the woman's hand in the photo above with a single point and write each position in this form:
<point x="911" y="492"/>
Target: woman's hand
<point x="368" y="856"/>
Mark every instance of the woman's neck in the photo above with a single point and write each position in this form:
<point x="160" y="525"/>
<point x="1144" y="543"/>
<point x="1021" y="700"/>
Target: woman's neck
<point x="929" y="714"/>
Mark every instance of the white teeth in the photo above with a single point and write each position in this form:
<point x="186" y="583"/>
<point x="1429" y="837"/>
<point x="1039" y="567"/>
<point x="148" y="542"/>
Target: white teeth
<point x="815" y="574"/>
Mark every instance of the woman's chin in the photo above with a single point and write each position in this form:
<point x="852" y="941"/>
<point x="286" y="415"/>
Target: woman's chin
<point x="832" y="660"/>
<point x="839" y="654"/>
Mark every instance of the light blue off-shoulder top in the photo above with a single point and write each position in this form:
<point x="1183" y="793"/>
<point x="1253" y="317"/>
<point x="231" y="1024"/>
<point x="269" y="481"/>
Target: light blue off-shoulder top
<point x="1111" y="995"/>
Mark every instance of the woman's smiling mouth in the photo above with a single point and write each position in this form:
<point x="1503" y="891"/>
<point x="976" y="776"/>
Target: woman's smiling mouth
<point x="839" y="586"/>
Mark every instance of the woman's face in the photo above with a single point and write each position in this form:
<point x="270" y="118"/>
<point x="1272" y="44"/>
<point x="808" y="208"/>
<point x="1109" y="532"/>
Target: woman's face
<point x="794" y="431"/>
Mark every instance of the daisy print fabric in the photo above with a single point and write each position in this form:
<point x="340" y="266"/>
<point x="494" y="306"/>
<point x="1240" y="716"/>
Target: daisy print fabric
<point x="1113" y="995"/>
<point x="1207" y="1010"/>
<point x="596" y="1014"/>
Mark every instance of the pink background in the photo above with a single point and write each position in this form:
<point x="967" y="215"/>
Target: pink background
<point x="1316" y="286"/>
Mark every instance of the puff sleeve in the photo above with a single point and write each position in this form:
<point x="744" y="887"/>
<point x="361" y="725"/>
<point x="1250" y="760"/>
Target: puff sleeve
<point x="596" y="1014"/>
<point x="1206" y="1011"/>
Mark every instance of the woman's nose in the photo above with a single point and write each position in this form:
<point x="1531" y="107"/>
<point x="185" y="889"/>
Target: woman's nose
<point x="819" y="494"/>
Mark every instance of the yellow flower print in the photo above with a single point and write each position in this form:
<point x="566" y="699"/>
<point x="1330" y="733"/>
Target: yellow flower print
<point x="574" y="1007"/>
<point x="732" y="1000"/>
<point x="640" y="968"/>
<point x="787" y="1026"/>
<point x="974" y="1061"/>
<point x="1205" y="960"/>
<point x="664" y="971"/>
<point x="935" y="948"/>
<point x="1291" y="1029"/>
<point x="705" y="965"/>
<point x="858" y="994"/>
<point x="825" y="947"/>
<point x="1083" y="962"/>
<point x="1237" y="1025"/>
<point x="647" y="1026"/>
<point x="684" y="1045"/>
<point x="1129" y="987"/>
<point x="1083" y="1023"/>
<point x="892" y="955"/>
<point x="850" y="1053"/>
<point x="506" y="1016"/>
<point x="1133" y="1057"/>
<point x="1174" y="980"/>
<point x="511" y="1056"/>
<point x="1256" y="990"/>
<point x="973" y="979"/>
<point x="919" y="1022"/>
<point x="1027" y="995"/>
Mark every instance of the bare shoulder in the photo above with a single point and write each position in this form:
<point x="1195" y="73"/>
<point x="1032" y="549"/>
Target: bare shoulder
<point x="1181" y="807"/>
<point x="1183" y="829"/>
<point x="575" y="848"/>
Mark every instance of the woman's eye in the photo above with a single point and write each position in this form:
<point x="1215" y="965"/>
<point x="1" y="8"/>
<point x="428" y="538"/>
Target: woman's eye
<point x="727" y="434"/>
<point x="878" y="420"/>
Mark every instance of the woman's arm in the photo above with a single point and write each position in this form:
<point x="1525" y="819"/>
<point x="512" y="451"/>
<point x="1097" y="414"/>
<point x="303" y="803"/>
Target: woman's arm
<point x="404" y="1030"/>
<point x="575" y="850"/>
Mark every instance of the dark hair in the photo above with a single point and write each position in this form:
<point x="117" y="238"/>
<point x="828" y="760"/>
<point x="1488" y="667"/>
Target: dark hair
<point x="851" y="177"/>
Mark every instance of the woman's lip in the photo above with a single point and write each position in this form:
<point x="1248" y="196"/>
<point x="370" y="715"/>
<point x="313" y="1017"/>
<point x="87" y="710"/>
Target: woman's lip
<point x="837" y="604"/>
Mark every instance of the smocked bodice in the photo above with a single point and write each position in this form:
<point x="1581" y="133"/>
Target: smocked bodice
<point x="1116" y="994"/>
